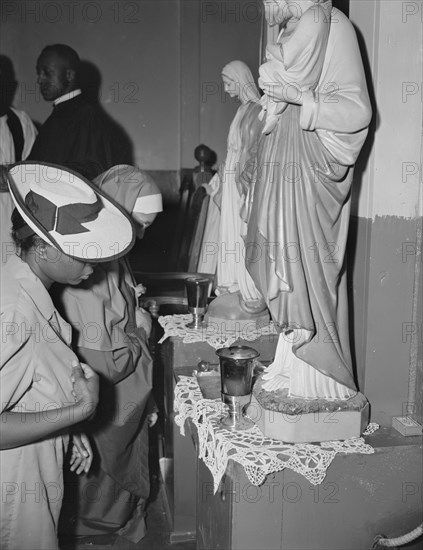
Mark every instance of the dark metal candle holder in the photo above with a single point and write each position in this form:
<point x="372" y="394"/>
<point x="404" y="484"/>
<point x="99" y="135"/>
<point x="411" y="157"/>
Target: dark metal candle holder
<point x="236" y="375"/>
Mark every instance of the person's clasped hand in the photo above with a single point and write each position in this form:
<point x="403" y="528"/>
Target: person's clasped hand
<point x="85" y="386"/>
<point x="143" y="320"/>
<point x="82" y="454"/>
<point x="152" y="419"/>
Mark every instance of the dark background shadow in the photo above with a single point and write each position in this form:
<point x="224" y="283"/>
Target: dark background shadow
<point x="89" y="78"/>
<point x="166" y="242"/>
<point x="8" y="83"/>
<point x="343" y="5"/>
<point x="359" y="229"/>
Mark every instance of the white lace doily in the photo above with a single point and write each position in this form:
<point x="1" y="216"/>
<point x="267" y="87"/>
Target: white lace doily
<point x="259" y="455"/>
<point x="175" y="325"/>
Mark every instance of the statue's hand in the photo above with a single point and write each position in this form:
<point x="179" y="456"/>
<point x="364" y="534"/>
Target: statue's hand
<point x="263" y="103"/>
<point x="274" y="51"/>
<point x="281" y="92"/>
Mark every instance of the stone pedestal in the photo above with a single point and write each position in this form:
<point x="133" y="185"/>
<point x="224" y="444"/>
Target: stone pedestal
<point x="297" y="420"/>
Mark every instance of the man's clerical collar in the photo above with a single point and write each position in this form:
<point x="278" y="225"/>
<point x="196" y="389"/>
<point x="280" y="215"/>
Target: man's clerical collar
<point x="66" y="97"/>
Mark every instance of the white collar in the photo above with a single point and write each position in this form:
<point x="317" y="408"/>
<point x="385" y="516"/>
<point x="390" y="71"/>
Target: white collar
<point x="66" y="97"/>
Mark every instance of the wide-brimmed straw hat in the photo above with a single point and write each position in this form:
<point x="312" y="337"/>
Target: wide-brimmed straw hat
<point x="69" y="212"/>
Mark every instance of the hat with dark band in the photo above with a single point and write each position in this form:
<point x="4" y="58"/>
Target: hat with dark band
<point x="69" y="212"/>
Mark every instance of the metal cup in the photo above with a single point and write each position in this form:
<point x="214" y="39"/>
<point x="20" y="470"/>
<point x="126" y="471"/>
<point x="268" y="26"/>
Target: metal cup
<point x="236" y="377"/>
<point x="197" y="294"/>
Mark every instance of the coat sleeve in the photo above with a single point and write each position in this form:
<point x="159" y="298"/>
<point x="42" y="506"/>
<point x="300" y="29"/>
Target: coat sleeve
<point x="114" y="365"/>
<point x="16" y="366"/>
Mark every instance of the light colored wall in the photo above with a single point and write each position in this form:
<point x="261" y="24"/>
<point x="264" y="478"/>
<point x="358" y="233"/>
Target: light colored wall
<point x="135" y="47"/>
<point x="155" y="58"/>
<point x="388" y="207"/>
<point x="213" y="34"/>
<point x="392" y="30"/>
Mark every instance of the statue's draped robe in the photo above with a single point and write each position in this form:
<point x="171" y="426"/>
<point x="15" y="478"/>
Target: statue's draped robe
<point x="299" y="216"/>
<point x="242" y="143"/>
<point x="223" y="246"/>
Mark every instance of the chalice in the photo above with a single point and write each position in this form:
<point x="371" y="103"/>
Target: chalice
<point x="197" y="294"/>
<point x="236" y="377"/>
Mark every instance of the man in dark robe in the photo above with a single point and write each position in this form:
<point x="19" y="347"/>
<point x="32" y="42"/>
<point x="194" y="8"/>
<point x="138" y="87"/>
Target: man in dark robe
<point x="77" y="134"/>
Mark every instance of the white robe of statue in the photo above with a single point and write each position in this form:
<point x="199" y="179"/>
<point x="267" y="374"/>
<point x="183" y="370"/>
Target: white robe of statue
<point x="223" y="244"/>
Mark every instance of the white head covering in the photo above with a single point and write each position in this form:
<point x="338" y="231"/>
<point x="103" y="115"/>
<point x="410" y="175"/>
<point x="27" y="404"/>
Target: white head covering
<point x="240" y="73"/>
<point x="134" y="190"/>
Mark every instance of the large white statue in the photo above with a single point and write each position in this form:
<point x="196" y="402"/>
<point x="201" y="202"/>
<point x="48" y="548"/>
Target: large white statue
<point x="223" y="244"/>
<point x="299" y="205"/>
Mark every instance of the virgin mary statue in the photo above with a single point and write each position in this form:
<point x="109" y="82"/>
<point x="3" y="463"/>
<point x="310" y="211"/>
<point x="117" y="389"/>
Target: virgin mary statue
<point x="223" y="244"/>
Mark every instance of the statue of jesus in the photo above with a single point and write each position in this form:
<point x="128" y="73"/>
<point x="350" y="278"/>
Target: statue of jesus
<point x="299" y="208"/>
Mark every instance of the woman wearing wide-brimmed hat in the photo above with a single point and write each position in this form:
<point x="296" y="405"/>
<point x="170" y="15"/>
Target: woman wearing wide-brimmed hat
<point x="61" y="226"/>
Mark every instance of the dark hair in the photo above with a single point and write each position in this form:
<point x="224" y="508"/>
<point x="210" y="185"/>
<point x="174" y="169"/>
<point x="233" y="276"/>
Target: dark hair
<point x="18" y="224"/>
<point x="66" y="53"/>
